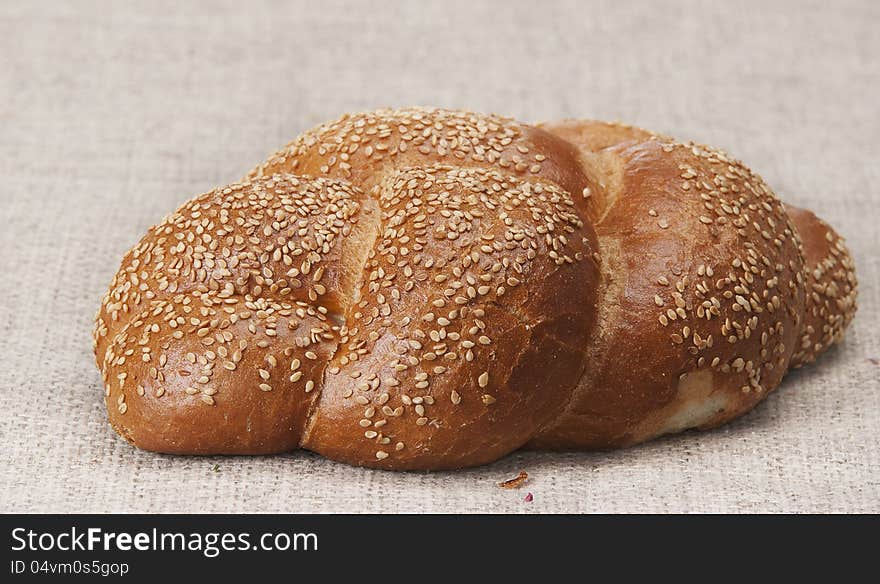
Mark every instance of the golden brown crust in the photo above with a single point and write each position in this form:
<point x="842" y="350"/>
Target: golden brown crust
<point x="395" y="286"/>
<point x="830" y="283"/>
<point x="208" y="340"/>
<point x="452" y="361"/>
<point x="702" y="291"/>
<point x="458" y="285"/>
<point x="364" y="148"/>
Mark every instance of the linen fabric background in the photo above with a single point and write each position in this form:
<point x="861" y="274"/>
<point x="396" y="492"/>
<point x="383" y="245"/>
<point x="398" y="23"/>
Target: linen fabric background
<point x="114" y="113"/>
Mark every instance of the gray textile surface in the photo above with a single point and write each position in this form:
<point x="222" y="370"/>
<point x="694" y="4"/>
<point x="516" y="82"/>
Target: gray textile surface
<point x="112" y="114"/>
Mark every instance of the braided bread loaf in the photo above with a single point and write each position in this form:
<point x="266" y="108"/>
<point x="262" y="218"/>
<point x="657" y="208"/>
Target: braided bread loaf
<point x="426" y="289"/>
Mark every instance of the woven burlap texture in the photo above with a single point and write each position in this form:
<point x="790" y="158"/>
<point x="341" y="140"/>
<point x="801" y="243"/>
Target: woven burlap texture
<point x="112" y="114"/>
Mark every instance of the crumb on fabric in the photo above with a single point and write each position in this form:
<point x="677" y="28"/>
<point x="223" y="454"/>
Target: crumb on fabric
<point x="516" y="482"/>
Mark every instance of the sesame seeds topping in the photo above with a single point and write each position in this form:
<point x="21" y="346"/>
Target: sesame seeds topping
<point x="501" y="230"/>
<point x="209" y="276"/>
<point x="248" y="276"/>
<point x="738" y="302"/>
<point x="831" y="293"/>
<point x="455" y="251"/>
<point x="349" y="148"/>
